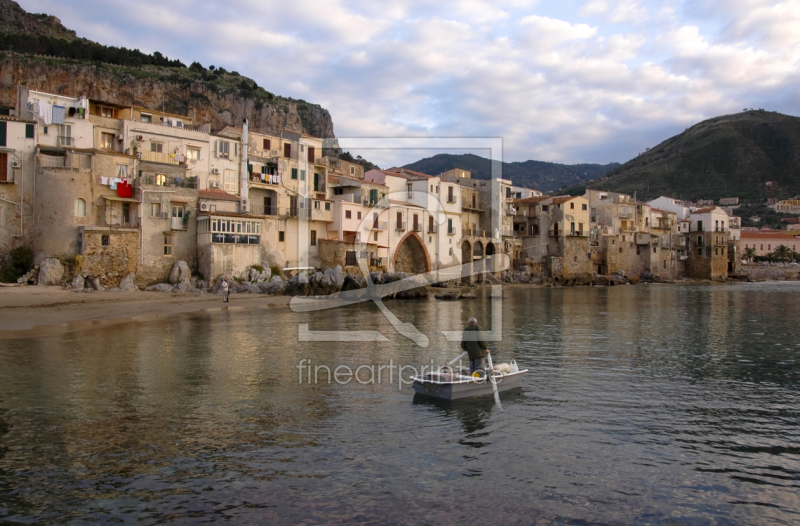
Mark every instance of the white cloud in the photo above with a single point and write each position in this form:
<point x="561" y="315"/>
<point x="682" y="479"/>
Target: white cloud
<point x="594" y="8"/>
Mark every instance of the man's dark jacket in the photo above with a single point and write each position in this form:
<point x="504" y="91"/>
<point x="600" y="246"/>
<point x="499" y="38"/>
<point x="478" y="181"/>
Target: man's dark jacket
<point x="473" y="344"/>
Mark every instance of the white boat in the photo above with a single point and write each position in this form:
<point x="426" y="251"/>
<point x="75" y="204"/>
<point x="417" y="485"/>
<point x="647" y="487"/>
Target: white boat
<point x="454" y="386"/>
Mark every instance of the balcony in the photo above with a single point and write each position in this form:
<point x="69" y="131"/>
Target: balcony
<point x="380" y="225"/>
<point x="678" y="241"/>
<point x="262" y="154"/>
<point x="65" y="140"/>
<point x="297" y="212"/>
<point x="269" y="179"/>
<point x="401" y="226"/>
<point x="451" y="231"/>
<point x="432" y="229"/>
<point x="579" y="233"/>
<point x="511" y="211"/>
<point x="320" y="214"/>
<point x="369" y="203"/>
<point x="261" y="210"/>
<point x="625" y="214"/>
<point x="157" y="157"/>
<point x="168" y="180"/>
<point x="508" y="232"/>
<point x="451" y="199"/>
<point x="416" y="227"/>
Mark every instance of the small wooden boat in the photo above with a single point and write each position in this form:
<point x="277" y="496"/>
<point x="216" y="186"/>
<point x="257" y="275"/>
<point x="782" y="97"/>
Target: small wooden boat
<point x="454" y="386"/>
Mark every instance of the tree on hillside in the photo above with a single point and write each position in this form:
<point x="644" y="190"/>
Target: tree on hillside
<point x="749" y="254"/>
<point x="783" y="253"/>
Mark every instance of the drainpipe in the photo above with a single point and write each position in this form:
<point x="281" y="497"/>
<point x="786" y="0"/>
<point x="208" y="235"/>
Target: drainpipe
<point x="245" y="205"/>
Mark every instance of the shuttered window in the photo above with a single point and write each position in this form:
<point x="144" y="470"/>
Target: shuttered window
<point x="29" y="131"/>
<point x="266" y="144"/>
<point x="287" y="150"/>
<point x="3" y="125"/>
<point x="3" y="166"/>
<point x="311" y="151"/>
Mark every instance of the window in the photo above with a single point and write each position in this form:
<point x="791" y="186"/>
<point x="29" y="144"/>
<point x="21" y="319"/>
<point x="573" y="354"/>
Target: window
<point x="350" y="258"/>
<point x="287" y="150"/>
<point x="105" y="240"/>
<point x="4" y="166"/>
<point x="281" y="236"/>
<point x="168" y="244"/>
<point x="338" y="191"/>
<point x="107" y="112"/>
<point x="313" y="238"/>
<point x="144" y="117"/>
<point x="316" y="205"/>
<point x="126" y="213"/>
<point x="572" y="206"/>
<point x="223" y="149"/>
<point x="229" y="182"/>
<point x="375" y="236"/>
<point x="161" y="179"/>
<point x="80" y="208"/>
<point x="294" y="173"/>
<point x="45" y="129"/>
<point x="155" y="209"/>
<point x="122" y="171"/>
<point x="29" y="131"/>
<point x="348" y="214"/>
<point x="327" y="206"/>
<point x="450" y="229"/>
<point x="358" y="215"/>
<point x="352" y="169"/>
<point x="156" y="147"/>
<point x="584" y="207"/>
<point x="311" y="152"/>
<point x="193" y="154"/>
<point x="266" y="144"/>
<point x="237" y="231"/>
<point x="302" y="175"/>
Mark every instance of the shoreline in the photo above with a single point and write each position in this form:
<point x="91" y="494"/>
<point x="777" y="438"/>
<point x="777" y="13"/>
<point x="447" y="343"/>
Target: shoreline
<point x="32" y="311"/>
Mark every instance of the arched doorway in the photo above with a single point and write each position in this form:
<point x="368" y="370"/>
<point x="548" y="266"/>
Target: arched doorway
<point x="489" y="249"/>
<point x="466" y="260"/>
<point x="477" y="250"/>
<point x="411" y="256"/>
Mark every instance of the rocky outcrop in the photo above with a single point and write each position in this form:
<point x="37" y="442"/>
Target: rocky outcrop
<point x="180" y="272"/>
<point x="178" y="90"/>
<point x="50" y="272"/>
<point x="127" y="284"/>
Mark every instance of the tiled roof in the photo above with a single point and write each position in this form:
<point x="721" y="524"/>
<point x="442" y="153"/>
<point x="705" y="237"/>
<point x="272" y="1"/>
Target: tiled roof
<point x="563" y="199"/>
<point x="704" y="210"/>
<point x="529" y="200"/>
<point x="776" y="234"/>
<point x="406" y="172"/>
<point x="15" y="119"/>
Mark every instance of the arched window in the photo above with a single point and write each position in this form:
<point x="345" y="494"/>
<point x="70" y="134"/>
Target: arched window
<point x="80" y="208"/>
<point x="161" y="179"/>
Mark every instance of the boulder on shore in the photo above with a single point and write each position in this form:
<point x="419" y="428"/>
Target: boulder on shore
<point x="180" y="272"/>
<point x="50" y="272"/>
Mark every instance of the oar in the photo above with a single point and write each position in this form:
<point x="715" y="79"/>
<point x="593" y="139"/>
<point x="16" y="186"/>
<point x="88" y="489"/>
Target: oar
<point x="494" y="383"/>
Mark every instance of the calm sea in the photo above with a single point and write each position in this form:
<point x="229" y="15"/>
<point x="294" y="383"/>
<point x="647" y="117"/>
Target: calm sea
<point x="648" y="404"/>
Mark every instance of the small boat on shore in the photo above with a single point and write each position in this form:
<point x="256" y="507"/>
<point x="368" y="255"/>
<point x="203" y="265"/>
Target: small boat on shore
<point x="455" y="386"/>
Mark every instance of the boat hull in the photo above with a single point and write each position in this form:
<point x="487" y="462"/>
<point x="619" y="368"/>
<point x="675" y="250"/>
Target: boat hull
<point x="467" y="387"/>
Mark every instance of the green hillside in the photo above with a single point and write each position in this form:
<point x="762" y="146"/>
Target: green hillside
<point x="531" y="174"/>
<point x="752" y="155"/>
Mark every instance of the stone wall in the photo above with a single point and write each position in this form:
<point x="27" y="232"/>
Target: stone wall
<point x="706" y="261"/>
<point x="113" y="261"/>
<point x="215" y="259"/>
<point x="770" y="272"/>
<point x="333" y="253"/>
<point x="577" y="261"/>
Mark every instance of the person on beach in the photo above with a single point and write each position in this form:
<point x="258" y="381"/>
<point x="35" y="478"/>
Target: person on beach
<point x="475" y="346"/>
<point x="225" y="290"/>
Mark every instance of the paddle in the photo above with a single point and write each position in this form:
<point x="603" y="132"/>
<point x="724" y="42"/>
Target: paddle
<point x="494" y="383"/>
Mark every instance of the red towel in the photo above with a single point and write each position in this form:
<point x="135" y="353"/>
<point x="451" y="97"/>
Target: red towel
<point x="124" y="189"/>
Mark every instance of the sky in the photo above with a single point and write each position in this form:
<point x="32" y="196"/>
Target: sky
<point x="565" y="81"/>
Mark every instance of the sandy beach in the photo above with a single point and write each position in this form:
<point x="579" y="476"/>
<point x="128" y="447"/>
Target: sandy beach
<point x="35" y="311"/>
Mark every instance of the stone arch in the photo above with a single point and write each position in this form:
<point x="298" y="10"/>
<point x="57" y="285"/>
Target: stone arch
<point x="490" y="250"/>
<point x="477" y="250"/>
<point x="411" y="255"/>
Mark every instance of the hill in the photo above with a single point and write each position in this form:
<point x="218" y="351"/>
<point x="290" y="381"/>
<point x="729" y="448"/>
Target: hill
<point x="752" y="155"/>
<point x="39" y="52"/>
<point x="531" y="174"/>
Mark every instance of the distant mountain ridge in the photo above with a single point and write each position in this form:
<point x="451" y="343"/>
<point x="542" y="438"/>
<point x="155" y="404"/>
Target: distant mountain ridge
<point x="752" y="155"/>
<point x="539" y="175"/>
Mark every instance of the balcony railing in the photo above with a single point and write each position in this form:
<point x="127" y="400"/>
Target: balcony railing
<point x="417" y="227"/>
<point x="272" y="179"/>
<point x="451" y="231"/>
<point x="400" y="226"/>
<point x="261" y="210"/>
<point x="380" y="225"/>
<point x="511" y="211"/>
<point x="432" y="229"/>
<point x="320" y="214"/>
<point x="451" y="199"/>
<point x="579" y="233"/>
<point x="297" y="212"/>
<point x="157" y="157"/>
<point x="168" y="180"/>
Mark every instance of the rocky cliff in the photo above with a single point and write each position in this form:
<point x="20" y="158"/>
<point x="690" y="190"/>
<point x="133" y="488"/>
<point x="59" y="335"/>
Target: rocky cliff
<point x="218" y="98"/>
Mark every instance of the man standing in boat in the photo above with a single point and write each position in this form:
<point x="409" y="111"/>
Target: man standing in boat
<point x="472" y="342"/>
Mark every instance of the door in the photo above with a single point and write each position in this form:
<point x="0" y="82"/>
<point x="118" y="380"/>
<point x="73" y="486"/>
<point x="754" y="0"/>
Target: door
<point x="177" y="216"/>
<point x="3" y="166"/>
<point x="316" y="176"/>
<point x="268" y="206"/>
<point x="311" y="153"/>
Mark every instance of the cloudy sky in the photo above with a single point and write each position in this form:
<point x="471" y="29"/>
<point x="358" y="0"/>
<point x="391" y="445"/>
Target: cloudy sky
<point x="564" y="81"/>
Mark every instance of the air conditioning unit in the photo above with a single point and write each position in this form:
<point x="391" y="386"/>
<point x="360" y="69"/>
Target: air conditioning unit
<point x="215" y="170"/>
<point x="245" y="207"/>
<point x="120" y="136"/>
<point x="245" y="202"/>
<point x="204" y="207"/>
<point x="139" y="137"/>
<point x="214" y="184"/>
<point x="16" y="164"/>
<point x="164" y="215"/>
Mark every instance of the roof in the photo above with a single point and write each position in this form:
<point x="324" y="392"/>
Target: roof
<point x="529" y="200"/>
<point x="219" y="195"/>
<point x="15" y="119"/>
<point x="229" y="214"/>
<point x="403" y="203"/>
<point x="404" y="171"/>
<point x="778" y="234"/>
<point x="660" y="211"/>
<point x="705" y="210"/>
<point x="564" y="199"/>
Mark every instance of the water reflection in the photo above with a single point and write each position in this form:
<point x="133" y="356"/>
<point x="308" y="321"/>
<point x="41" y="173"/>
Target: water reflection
<point x="644" y="404"/>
